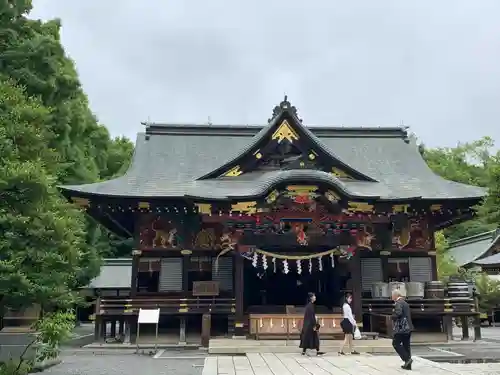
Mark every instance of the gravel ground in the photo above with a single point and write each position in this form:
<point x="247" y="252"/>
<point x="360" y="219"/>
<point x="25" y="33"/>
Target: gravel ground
<point x="125" y="364"/>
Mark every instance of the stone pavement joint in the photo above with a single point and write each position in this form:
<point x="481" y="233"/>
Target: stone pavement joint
<point x="296" y="364"/>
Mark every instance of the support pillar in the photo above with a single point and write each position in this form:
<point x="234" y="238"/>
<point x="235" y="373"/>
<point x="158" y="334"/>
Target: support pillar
<point x="465" y="327"/>
<point x="113" y="328"/>
<point x="133" y="329"/>
<point x="448" y="326"/>
<point x="136" y="254"/>
<point x="432" y="252"/>
<point x="477" y="328"/>
<point x="121" y="327"/>
<point x="98" y="329"/>
<point x="126" y="332"/>
<point x="355" y="269"/>
<point x="103" y="329"/>
<point x="206" y="326"/>
<point x="238" y="295"/>
<point x="182" y="331"/>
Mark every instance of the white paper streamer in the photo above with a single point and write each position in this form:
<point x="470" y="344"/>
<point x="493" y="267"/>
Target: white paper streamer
<point x="285" y="267"/>
<point x="299" y="267"/>
<point x="320" y="264"/>
<point x="264" y="262"/>
<point x="310" y="265"/>
<point x="274" y="264"/>
<point x="255" y="259"/>
<point x="333" y="260"/>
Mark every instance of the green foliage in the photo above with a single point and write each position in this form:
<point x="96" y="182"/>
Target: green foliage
<point x="53" y="329"/>
<point x="490" y="211"/>
<point x="48" y="136"/>
<point x="488" y="290"/>
<point x="15" y="367"/>
<point x="472" y="163"/>
<point x="445" y="266"/>
<point x="475" y="164"/>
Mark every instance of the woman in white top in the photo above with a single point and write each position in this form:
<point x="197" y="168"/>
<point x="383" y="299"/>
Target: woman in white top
<point x="348" y="326"/>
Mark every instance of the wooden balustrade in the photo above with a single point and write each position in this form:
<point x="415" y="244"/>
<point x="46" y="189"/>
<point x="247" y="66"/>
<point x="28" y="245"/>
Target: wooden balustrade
<point x="423" y="306"/>
<point x="167" y="305"/>
<point x="289" y="326"/>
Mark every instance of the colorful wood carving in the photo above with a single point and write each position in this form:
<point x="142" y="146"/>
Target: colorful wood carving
<point x="332" y="196"/>
<point x="364" y="238"/>
<point x="244" y="207"/>
<point x="419" y="238"/>
<point x="400" y="208"/>
<point x="159" y="233"/>
<point x="360" y="207"/>
<point x="400" y="232"/>
<point x="301" y="234"/>
<point x="204" y="208"/>
<point x="205" y="239"/>
<point x="411" y="234"/>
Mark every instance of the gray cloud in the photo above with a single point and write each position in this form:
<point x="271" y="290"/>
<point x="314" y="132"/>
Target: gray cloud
<point x="433" y="65"/>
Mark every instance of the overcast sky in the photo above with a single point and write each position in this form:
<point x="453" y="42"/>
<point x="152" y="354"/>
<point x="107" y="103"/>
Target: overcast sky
<point x="433" y="65"/>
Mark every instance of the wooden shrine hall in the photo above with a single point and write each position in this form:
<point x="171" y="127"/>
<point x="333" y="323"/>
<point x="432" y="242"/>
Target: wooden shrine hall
<point x="234" y="225"/>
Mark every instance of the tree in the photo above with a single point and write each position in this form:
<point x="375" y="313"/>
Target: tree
<point x="48" y="136"/>
<point x="446" y="267"/>
<point x="488" y="291"/>
<point x="43" y="252"/>
<point x="468" y="163"/>
<point x="490" y="211"/>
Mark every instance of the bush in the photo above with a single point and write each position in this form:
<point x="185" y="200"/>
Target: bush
<point x="53" y="329"/>
<point x="488" y="291"/>
<point x="12" y="367"/>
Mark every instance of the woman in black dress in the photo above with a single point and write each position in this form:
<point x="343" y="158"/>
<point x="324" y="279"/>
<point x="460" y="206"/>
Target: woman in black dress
<point x="309" y="338"/>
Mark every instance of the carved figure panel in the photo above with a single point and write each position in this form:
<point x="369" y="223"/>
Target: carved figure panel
<point x="160" y="232"/>
<point x="364" y="238"/>
<point x="216" y="236"/>
<point x="411" y="234"/>
<point x="419" y="237"/>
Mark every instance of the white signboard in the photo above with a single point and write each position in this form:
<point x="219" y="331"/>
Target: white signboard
<point x="149" y="316"/>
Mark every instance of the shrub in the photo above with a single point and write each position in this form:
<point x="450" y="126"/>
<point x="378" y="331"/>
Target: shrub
<point x="53" y="329"/>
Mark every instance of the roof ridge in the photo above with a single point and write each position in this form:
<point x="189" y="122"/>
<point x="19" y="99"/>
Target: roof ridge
<point x="154" y="128"/>
<point x="471" y="239"/>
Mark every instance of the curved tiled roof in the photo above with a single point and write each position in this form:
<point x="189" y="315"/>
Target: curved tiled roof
<point x="472" y="250"/>
<point x="169" y="160"/>
<point x="489" y="261"/>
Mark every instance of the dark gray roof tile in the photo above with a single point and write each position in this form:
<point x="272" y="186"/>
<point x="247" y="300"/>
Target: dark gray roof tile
<point x="488" y="261"/>
<point x="469" y="250"/>
<point x="168" y="161"/>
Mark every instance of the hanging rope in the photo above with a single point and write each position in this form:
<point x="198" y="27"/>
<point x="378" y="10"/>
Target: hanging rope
<point x="335" y="251"/>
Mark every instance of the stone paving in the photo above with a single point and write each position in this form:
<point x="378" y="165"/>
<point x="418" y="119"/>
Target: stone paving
<point x="488" y="333"/>
<point x="179" y="363"/>
<point x="293" y="364"/>
<point x="124" y="364"/>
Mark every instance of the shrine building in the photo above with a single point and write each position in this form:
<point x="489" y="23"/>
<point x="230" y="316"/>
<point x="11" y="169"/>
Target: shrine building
<point x="234" y="225"/>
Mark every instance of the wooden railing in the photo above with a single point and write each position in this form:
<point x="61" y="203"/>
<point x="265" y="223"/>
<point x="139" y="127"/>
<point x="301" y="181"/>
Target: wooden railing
<point x="289" y="326"/>
<point x="423" y="306"/>
<point x="167" y="305"/>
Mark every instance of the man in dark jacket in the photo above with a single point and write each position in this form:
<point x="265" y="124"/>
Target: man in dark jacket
<point x="401" y="328"/>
